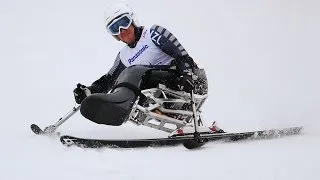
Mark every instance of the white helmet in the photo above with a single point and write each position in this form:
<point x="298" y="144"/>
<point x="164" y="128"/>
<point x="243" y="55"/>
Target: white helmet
<point x="118" y="9"/>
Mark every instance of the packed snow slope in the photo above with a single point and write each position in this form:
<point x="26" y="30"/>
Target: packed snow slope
<point x="261" y="57"/>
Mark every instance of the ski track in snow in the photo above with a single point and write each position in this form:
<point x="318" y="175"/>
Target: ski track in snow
<point x="261" y="58"/>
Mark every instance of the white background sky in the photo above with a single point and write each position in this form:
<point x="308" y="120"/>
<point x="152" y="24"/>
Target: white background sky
<point x="261" y="57"/>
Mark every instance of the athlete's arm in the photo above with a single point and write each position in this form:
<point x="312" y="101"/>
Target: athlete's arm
<point x="105" y="83"/>
<point x="170" y="45"/>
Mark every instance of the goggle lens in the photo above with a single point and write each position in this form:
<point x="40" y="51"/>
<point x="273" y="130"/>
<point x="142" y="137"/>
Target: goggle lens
<point x="122" y="22"/>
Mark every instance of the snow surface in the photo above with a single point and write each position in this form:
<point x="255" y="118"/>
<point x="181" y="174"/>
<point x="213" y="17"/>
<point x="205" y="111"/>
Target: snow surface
<point x="262" y="59"/>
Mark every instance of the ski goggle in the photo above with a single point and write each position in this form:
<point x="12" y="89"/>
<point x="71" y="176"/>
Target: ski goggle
<point x="122" y="22"/>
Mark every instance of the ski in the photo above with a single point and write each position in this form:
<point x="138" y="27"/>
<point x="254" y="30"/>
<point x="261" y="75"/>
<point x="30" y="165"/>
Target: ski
<point x="187" y="140"/>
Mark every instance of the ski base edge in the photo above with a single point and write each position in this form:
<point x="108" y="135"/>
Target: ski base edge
<point x="188" y="141"/>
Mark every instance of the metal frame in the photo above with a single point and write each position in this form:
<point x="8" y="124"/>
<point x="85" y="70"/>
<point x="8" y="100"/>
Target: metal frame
<point x="157" y="116"/>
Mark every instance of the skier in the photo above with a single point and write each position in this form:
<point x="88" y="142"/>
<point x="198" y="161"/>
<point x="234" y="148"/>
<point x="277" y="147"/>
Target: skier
<point x="147" y="46"/>
<point x="153" y="45"/>
<point x="111" y="99"/>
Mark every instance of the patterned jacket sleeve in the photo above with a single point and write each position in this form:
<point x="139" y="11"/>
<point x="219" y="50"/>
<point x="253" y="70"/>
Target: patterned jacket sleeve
<point x="170" y="45"/>
<point x="105" y="83"/>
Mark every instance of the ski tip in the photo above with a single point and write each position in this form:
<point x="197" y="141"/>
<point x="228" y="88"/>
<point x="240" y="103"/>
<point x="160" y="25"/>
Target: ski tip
<point x="36" y="129"/>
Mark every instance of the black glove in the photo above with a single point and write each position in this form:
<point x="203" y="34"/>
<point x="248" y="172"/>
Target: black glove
<point x="186" y="82"/>
<point x="185" y="67"/>
<point x="80" y="93"/>
<point x="186" y="76"/>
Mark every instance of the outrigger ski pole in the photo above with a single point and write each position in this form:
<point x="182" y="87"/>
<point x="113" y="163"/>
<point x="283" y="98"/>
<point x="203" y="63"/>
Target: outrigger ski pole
<point x="51" y="129"/>
<point x="197" y="141"/>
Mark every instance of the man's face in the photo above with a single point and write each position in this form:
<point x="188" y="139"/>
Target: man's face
<point x="127" y="35"/>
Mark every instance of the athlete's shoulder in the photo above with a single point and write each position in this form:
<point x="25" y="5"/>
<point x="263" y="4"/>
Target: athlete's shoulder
<point x="161" y="35"/>
<point x="158" y="29"/>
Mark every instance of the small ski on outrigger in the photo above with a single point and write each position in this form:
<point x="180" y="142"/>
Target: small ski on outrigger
<point x="51" y="130"/>
<point x="188" y="140"/>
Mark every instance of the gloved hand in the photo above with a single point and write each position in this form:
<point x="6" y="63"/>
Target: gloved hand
<point x="81" y="92"/>
<point x="186" y="82"/>
<point x="186" y="77"/>
<point x="185" y="68"/>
